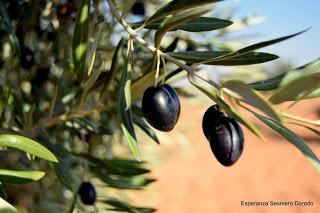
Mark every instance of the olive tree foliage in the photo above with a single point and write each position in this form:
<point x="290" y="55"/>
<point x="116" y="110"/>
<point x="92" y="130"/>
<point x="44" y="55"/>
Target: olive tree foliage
<point x="72" y="77"/>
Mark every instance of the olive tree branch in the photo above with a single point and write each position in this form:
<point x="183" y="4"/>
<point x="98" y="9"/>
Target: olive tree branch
<point x="133" y="34"/>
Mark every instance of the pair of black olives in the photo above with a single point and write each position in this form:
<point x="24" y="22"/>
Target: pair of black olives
<point x="87" y="193"/>
<point x="224" y="135"/>
<point x="161" y="107"/>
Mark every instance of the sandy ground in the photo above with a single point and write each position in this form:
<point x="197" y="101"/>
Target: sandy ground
<point x="190" y="180"/>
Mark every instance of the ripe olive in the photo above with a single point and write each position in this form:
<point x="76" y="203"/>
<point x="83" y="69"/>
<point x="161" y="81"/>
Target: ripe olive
<point x="225" y="136"/>
<point x="161" y="107"/>
<point x="138" y="9"/>
<point x="87" y="193"/>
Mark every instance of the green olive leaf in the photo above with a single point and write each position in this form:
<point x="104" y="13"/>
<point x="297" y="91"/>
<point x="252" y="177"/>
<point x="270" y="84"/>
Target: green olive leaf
<point x="6" y="207"/>
<point x="80" y="38"/>
<point x="175" y="21"/>
<point x="198" y="24"/>
<point x="177" y="6"/>
<point x="292" y="138"/>
<point x="245" y="59"/>
<point x="20" y="177"/>
<point x="252" y="48"/>
<point x="252" y="98"/>
<point x="144" y="127"/>
<point x="27" y="145"/>
<point x="124" y="106"/>
<point x="297" y="89"/>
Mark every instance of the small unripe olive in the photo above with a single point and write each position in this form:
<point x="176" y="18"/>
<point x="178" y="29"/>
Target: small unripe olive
<point x="87" y="193"/>
<point x="224" y="135"/>
<point x="161" y="107"/>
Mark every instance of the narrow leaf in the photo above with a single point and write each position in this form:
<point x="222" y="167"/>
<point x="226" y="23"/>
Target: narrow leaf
<point x="124" y="107"/>
<point x="176" y="6"/>
<point x="126" y="207"/>
<point x="175" y="21"/>
<point x="19" y="177"/>
<point x="198" y="24"/>
<point x="27" y="145"/>
<point x="73" y="204"/>
<point x="144" y="127"/>
<point x="315" y="131"/>
<point x="252" y="98"/>
<point x="116" y="167"/>
<point x="297" y="89"/>
<point x="80" y="38"/>
<point x="245" y="59"/>
<point x="6" y="207"/>
<point x="291" y="137"/>
<point x="285" y="78"/>
<point x="232" y="112"/>
<point x="252" y="48"/>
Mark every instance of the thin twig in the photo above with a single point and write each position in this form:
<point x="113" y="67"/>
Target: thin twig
<point x="133" y="34"/>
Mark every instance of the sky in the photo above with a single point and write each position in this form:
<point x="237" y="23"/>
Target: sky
<point x="284" y="17"/>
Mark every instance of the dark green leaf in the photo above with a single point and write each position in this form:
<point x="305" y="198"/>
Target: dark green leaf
<point x="172" y="46"/>
<point x="246" y="59"/>
<point x="73" y="204"/>
<point x="176" y="6"/>
<point x="4" y="17"/>
<point x="134" y="183"/>
<point x="27" y="145"/>
<point x="275" y="82"/>
<point x="198" y="24"/>
<point x="291" y="137"/>
<point x="124" y="107"/>
<point x="266" y="85"/>
<point x="126" y="207"/>
<point x="19" y="177"/>
<point x="251" y="48"/>
<point x="80" y="38"/>
<point x="114" y="66"/>
<point x="175" y="21"/>
<point x="144" y="126"/>
<point x="117" y="167"/>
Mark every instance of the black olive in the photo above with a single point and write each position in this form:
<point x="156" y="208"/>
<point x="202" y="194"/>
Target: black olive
<point x="27" y="58"/>
<point x="161" y="107"/>
<point x="87" y="193"/>
<point x="225" y="136"/>
<point x="138" y="9"/>
<point x="211" y="118"/>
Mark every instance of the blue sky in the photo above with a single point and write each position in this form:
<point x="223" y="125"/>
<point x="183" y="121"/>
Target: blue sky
<point x="285" y="17"/>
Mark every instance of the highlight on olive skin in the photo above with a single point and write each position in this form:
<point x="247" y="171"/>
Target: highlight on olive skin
<point x="87" y="193"/>
<point x="161" y="107"/>
<point x="224" y="135"/>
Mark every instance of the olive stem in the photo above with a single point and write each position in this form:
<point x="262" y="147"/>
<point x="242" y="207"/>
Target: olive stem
<point x="164" y="70"/>
<point x="133" y="34"/>
<point x="156" y="77"/>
